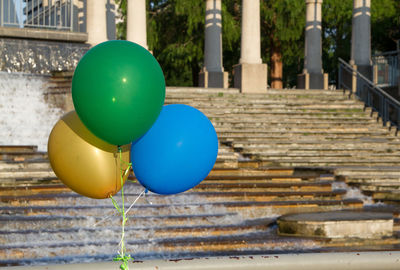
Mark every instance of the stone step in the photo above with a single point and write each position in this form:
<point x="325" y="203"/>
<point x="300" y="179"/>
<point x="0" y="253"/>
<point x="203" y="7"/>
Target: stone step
<point x="327" y="135"/>
<point x="201" y="91"/>
<point x="337" y="224"/>
<point x="266" y="186"/>
<point x="300" y="130"/>
<point x="55" y="221"/>
<point x="305" y="143"/>
<point x="171" y="247"/>
<point x="39" y="164"/>
<point x="384" y="186"/>
<point x="228" y="204"/>
<point x="263" y="178"/>
<point x="250" y="100"/>
<point x="18" y="148"/>
<point x="338" y="152"/>
<point x="22" y="156"/>
<point x="309" y="141"/>
<point x="246" y="112"/>
<point x="212" y="192"/>
<point x="278" y="94"/>
<point x="222" y="123"/>
<point x="271" y="105"/>
<point x="181" y="248"/>
<point x="292" y="120"/>
<point x="132" y="232"/>
<point x="369" y="171"/>
<point x="329" y="163"/>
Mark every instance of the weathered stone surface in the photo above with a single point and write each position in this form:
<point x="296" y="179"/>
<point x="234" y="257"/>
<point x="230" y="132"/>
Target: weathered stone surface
<point x="338" y="224"/>
<point x="39" y="56"/>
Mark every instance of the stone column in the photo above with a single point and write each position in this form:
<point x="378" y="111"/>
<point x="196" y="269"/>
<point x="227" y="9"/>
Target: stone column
<point x="398" y="59"/>
<point x="96" y="21"/>
<point x="313" y="76"/>
<point x="212" y="74"/>
<point x="136" y="22"/>
<point x="361" y="37"/>
<point x="250" y="75"/>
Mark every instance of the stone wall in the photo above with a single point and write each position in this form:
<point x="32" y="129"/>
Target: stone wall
<point x="39" y="56"/>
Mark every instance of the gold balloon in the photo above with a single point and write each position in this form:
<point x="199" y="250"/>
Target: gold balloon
<point x="83" y="162"/>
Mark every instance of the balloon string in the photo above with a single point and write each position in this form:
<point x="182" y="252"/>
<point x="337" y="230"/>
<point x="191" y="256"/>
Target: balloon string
<point x="138" y="197"/>
<point x="124" y="259"/>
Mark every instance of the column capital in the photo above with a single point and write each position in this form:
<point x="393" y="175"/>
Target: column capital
<point x="361" y="3"/>
<point x="314" y="2"/>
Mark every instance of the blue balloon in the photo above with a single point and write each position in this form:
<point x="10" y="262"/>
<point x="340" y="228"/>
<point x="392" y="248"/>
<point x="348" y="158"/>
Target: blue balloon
<point x="178" y="151"/>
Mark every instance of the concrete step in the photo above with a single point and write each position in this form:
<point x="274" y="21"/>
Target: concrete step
<point x="16" y="155"/>
<point x="271" y="105"/>
<point x="338" y="224"/>
<point x="338" y="152"/>
<point x="332" y="163"/>
<point x="305" y="143"/>
<point x="324" y="136"/>
<point x="131" y="232"/>
<point x="18" y="148"/>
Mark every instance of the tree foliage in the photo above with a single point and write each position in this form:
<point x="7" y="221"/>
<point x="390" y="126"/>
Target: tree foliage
<point x="337" y="24"/>
<point x="175" y="30"/>
<point x="282" y="27"/>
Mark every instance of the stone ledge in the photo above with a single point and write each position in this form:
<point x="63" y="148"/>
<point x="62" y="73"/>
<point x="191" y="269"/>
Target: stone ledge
<point x="43" y="34"/>
<point x="337" y="224"/>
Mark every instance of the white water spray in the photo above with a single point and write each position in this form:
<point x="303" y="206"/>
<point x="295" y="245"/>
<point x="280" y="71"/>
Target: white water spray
<point x="25" y="117"/>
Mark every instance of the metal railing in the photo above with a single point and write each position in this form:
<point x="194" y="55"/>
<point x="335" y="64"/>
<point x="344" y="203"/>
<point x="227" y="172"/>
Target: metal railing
<point x="386" y="68"/>
<point x="373" y="96"/>
<point x="48" y="14"/>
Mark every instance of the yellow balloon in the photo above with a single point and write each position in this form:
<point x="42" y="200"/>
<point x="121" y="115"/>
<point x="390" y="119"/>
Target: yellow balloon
<point x="83" y="162"/>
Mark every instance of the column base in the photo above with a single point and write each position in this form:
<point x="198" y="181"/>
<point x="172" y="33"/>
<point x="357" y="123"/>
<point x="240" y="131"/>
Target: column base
<point x="213" y="79"/>
<point x="312" y="81"/>
<point x="366" y="70"/>
<point x="398" y="83"/>
<point x="250" y="78"/>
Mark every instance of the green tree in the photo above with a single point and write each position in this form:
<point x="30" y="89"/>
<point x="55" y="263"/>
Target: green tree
<point x="385" y="25"/>
<point x="176" y="36"/>
<point x="337" y="29"/>
<point x="282" y="28"/>
<point x="336" y="37"/>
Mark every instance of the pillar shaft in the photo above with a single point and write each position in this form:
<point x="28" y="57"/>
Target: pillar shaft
<point x="313" y="76"/>
<point x="250" y="75"/>
<point x="213" y="36"/>
<point x="213" y="74"/>
<point x="361" y="37"/>
<point x="250" y="51"/>
<point x="136" y="22"/>
<point x="313" y="49"/>
<point x="96" y="21"/>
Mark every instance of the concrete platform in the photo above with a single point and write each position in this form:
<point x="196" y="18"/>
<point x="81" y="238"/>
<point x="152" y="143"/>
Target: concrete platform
<point x="337" y="224"/>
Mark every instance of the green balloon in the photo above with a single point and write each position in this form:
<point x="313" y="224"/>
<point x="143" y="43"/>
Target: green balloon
<point x="118" y="90"/>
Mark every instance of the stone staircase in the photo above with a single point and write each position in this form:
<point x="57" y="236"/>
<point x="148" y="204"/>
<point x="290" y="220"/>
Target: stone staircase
<point x="232" y="212"/>
<point x="289" y="151"/>
<point x="298" y="128"/>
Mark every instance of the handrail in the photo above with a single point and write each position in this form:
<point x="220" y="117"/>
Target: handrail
<point x="386" y="68"/>
<point x="386" y="53"/>
<point x="372" y="95"/>
<point x="370" y="82"/>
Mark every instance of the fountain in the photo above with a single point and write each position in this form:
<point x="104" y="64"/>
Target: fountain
<point x="25" y="117"/>
<point x="231" y="213"/>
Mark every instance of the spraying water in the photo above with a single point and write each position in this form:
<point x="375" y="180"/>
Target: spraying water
<point x="25" y="117"/>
